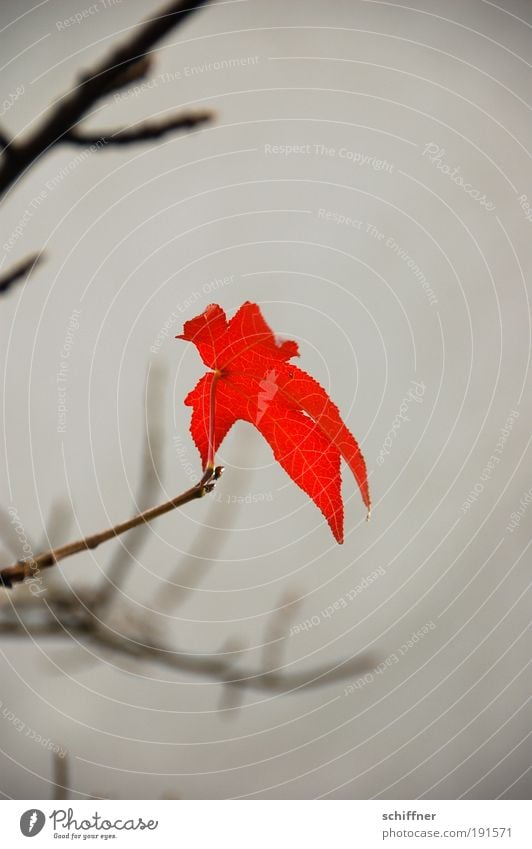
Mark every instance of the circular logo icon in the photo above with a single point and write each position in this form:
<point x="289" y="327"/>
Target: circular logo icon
<point x="32" y="822"/>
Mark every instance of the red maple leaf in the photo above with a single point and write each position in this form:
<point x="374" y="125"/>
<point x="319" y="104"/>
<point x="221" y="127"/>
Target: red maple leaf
<point x="252" y="380"/>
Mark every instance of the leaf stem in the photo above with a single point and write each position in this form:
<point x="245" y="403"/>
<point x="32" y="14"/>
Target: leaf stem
<point x="31" y="568"/>
<point x="212" y="445"/>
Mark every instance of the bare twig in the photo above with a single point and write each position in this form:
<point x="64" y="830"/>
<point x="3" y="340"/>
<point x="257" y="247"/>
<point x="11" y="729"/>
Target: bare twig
<point x="18" y="272"/>
<point x="31" y="567"/>
<point x="92" y="87"/>
<point x="144" y="132"/>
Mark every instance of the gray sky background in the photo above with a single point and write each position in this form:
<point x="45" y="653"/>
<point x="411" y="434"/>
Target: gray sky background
<point x="385" y="103"/>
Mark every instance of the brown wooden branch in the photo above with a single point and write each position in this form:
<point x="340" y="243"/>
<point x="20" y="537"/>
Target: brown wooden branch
<point x="92" y="87"/>
<point x="18" y="272"/>
<point x="31" y="567"/>
<point x="146" y="131"/>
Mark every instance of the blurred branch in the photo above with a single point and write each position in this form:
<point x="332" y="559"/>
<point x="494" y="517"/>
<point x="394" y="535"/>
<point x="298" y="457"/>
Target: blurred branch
<point x="147" y="490"/>
<point x="172" y="592"/>
<point x="124" y="64"/>
<point x="224" y="672"/>
<point x="60" y="781"/>
<point x="131" y="74"/>
<point x="10" y="539"/>
<point x="5" y="141"/>
<point x="276" y="629"/>
<point x="144" y="132"/>
<point x="67" y="613"/>
<point x="31" y="567"/>
<point x="18" y="272"/>
<point x="231" y="696"/>
<point x="58" y="524"/>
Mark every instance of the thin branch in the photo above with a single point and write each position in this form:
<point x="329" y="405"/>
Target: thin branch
<point x="146" y="131"/>
<point x="18" y="272"/>
<point x="60" y="779"/>
<point x="106" y="77"/>
<point x="31" y="567"/>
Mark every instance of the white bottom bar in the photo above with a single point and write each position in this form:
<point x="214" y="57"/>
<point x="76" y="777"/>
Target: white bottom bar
<point x="266" y="824"/>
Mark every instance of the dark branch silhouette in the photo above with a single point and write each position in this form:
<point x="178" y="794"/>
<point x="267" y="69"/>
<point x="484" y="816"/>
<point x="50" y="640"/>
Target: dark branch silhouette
<point x="18" y="272"/>
<point x="146" y="131"/>
<point x="124" y="64"/>
<point x="31" y="567"/>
